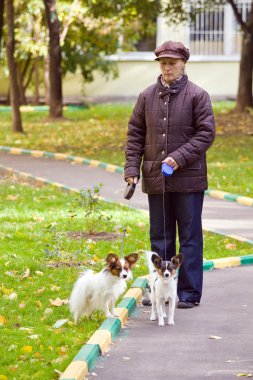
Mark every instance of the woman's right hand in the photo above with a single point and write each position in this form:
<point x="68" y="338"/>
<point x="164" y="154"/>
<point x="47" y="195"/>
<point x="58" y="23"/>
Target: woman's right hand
<point x="130" y="180"/>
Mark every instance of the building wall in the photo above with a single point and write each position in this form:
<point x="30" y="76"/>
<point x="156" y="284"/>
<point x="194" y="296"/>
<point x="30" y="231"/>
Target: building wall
<point x="218" y="78"/>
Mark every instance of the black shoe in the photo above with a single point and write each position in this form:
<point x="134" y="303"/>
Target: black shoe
<point x="146" y="302"/>
<point x="186" y="305"/>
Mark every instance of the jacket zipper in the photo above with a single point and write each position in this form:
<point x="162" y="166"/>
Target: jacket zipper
<point x="167" y="129"/>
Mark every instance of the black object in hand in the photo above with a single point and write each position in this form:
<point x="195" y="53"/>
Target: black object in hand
<point x="129" y="190"/>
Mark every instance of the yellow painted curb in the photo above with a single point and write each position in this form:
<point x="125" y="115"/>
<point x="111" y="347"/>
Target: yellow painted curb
<point x="218" y="194"/>
<point x="101" y="337"/>
<point x="57" y="184"/>
<point x="75" y="371"/>
<point x="78" y="160"/>
<point x="94" y="163"/>
<point x="123" y="314"/>
<point x="227" y="262"/>
<point x="134" y="293"/>
<point x="37" y="153"/>
<point x="245" y="201"/>
<point x="110" y="168"/>
<point x="15" y="151"/>
<point x="60" y="156"/>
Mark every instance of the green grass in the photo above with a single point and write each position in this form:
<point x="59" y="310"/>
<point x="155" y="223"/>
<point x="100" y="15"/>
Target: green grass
<point x="99" y="132"/>
<point x="31" y="348"/>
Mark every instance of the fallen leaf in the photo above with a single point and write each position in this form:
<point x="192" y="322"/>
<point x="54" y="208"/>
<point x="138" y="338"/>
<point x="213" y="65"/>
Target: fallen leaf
<point x="231" y="246"/>
<point x="3" y="321"/>
<point x="27" y="273"/>
<point x="59" y="360"/>
<point x="244" y="375"/>
<point x="48" y="311"/>
<point x="58" y="302"/>
<point x="34" y="336"/>
<point x="12" y="198"/>
<point x="28" y="329"/>
<point x="41" y="290"/>
<point x="55" y="288"/>
<point x="5" y="291"/>
<point x="39" y="273"/>
<point x="26" y="349"/>
<point x="215" y="337"/>
<point x="12" y="347"/>
<point x="60" y="323"/>
<point x="96" y="259"/>
<point x="39" y="304"/>
<point x="11" y="297"/>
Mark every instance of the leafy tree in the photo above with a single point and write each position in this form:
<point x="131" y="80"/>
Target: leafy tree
<point x="88" y="31"/>
<point x="177" y="12"/>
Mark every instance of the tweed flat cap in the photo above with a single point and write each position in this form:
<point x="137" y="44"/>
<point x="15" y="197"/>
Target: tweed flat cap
<point x="172" y="49"/>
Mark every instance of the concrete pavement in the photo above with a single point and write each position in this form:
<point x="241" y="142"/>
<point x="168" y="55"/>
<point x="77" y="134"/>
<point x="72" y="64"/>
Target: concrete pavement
<point x="185" y="351"/>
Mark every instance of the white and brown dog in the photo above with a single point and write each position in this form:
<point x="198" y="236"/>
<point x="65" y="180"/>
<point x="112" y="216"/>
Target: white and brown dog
<point x="163" y="286"/>
<point x="100" y="291"/>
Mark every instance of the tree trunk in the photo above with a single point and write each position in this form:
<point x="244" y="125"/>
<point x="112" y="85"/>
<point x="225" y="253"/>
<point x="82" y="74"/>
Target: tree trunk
<point x="55" y="74"/>
<point x="1" y="22"/>
<point x="10" y="46"/>
<point x="20" y="80"/>
<point x="244" y="95"/>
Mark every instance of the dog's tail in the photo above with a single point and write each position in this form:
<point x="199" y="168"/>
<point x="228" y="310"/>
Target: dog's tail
<point x="148" y="255"/>
<point x="78" y="299"/>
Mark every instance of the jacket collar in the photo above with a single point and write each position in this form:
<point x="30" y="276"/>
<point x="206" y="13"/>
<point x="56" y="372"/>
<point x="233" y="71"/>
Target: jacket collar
<point x="174" y="88"/>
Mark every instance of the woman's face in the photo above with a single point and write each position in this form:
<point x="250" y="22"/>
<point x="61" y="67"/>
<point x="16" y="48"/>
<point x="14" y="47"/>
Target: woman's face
<point x="171" y="68"/>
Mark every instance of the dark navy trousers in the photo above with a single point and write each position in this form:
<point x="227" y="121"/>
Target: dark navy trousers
<point x="179" y="212"/>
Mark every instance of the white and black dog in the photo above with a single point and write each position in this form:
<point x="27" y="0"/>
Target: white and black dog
<point x="163" y="286"/>
<point x="100" y="291"/>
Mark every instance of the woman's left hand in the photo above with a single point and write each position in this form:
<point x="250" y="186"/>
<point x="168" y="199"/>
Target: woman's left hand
<point x="170" y="161"/>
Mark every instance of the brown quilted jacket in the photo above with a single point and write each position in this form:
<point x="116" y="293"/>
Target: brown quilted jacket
<point x="178" y="122"/>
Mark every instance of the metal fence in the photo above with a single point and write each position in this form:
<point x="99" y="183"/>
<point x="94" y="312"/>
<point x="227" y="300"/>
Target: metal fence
<point x="215" y="31"/>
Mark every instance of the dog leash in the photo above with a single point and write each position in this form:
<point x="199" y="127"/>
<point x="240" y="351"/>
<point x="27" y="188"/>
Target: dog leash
<point x="164" y="221"/>
<point x="124" y="231"/>
<point x="167" y="171"/>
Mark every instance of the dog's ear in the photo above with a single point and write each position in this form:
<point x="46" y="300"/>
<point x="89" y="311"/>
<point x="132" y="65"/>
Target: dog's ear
<point x="156" y="260"/>
<point x="177" y="260"/>
<point x="132" y="259"/>
<point x="111" y="258"/>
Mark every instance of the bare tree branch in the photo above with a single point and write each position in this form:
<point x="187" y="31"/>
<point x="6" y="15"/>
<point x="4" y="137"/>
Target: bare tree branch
<point x="238" y="17"/>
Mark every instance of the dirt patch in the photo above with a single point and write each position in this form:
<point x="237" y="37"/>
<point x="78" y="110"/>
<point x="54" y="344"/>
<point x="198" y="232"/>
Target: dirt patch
<point x="77" y="235"/>
<point x="232" y="123"/>
<point x="60" y="264"/>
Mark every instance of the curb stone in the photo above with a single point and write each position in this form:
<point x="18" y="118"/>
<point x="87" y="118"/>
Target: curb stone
<point x="62" y="156"/>
<point x="246" y="201"/>
<point x="100" y="341"/>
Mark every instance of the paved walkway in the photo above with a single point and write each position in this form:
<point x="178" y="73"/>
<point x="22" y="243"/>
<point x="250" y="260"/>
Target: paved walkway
<point x="226" y="217"/>
<point x="185" y="351"/>
<point x="145" y="351"/>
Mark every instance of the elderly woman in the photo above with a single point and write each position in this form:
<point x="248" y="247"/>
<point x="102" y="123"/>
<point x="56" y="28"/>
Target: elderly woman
<point x="173" y="122"/>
